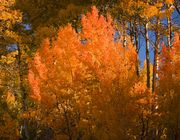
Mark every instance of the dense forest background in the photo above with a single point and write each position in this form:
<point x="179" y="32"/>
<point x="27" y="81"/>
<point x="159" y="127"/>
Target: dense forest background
<point x="89" y="70"/>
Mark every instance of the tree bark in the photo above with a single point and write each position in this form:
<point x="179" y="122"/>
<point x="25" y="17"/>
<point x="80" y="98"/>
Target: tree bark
<point x="156" y="59"/>
<point x="124" y="35"/>
<point x="137" y="49"/>
<point x="147" y="56"/>
<point x="25" y="133"/>
<point x="169" y="31"/>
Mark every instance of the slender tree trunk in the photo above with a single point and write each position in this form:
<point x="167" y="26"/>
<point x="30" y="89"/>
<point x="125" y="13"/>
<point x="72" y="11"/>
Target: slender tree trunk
<point x="124" y="35"/>
<point x="156" y="59"/>
<point x="68" y="125"/>
<point x="143" y="128"/>
<point x="147" y="128"/>
<point x="137" y="49"/>
<point x="147" y="56"/>
<point x="25" y="133"/>
<point x="134" y="41"/>
<point x="169" y="31"/>
<point x="132" y="34"/>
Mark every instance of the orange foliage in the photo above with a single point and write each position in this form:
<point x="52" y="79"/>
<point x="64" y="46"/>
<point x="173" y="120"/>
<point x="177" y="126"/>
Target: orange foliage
<point x="66" y="60"/>
<point x="169" y="86"/>
<point x="69" y="76"/>
<point x="34" y="83"/>
<point x="169" y="64"/>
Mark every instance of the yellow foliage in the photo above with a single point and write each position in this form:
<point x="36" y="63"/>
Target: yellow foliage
<point x="10" y="98"/>
<point x="9" y="58"/>
<point x="9" y="16"/>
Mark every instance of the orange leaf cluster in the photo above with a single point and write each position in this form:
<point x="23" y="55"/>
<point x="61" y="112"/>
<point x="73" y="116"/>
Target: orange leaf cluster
<point x="69" y="59"/>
